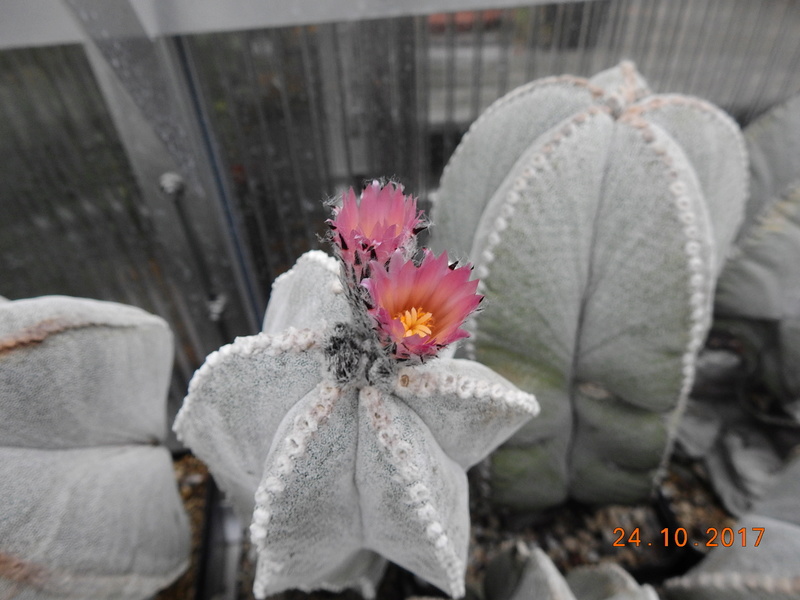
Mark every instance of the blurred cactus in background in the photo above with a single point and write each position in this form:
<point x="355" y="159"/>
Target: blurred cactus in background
<point x="89" y="503"/>
<point x="598" y="215"/>
<point x="757" y="558"/>
<point x="758" y="296"/>
<point x="744" y="417"/>
<point x="523" y="573"/>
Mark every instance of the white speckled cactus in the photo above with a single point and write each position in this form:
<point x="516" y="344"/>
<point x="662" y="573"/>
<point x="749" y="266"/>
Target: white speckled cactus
<point x="342" y="446"/>
<point x="597" y="214"/>
<point x="759" y="290"/>
<point x="761" y="563"/>
<point x="523" y="573"/>
<point x="88" y="502"/>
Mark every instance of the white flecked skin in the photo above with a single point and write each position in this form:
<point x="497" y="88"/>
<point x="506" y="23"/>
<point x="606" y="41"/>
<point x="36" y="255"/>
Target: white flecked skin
<point x="596" y="214"/>
<point x="336" y="478"/>
<point x="88" y="502"/>
<point x="761" y="281"/>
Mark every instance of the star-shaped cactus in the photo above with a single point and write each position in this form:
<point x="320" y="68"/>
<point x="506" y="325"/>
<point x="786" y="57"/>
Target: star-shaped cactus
<point x="342" y="449"/>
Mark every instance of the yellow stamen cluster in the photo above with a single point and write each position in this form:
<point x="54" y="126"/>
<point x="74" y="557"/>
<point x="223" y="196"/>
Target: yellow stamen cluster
<point x="416" y="322"/>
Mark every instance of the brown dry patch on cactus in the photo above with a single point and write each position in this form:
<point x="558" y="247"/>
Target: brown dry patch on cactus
<point x="629" y="75"/>
<point x="38" y="333"/>
<point x="19" y="571"/>
<point x="660" y="102"/>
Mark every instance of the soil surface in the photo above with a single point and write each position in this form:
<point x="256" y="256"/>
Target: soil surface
<point x="192" y="478"/>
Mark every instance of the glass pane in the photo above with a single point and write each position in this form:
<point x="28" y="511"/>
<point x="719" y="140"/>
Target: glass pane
<point x="302" y="112"/>
<point x="73" y="221"/>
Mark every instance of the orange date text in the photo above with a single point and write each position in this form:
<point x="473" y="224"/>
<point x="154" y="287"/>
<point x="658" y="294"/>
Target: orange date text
<point x="726" y="537"/>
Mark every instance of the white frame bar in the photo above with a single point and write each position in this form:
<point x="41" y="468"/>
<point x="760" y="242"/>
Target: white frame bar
<point x="30" y="23"/>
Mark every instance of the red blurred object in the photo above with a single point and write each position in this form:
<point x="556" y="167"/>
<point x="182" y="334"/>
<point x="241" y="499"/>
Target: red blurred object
<point x="465" y="20"/>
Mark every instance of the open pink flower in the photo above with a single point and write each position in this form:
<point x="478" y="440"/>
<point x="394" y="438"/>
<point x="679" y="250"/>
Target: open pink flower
<point x="384" y="220"/>
<point x="420" y="309"/>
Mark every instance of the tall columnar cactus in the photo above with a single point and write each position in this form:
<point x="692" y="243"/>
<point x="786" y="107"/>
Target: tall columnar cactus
<point x="597" y="214"/>
<point x="337" y="432"/>
<point x="759" y="290"/>
<point x="88" y="502"/>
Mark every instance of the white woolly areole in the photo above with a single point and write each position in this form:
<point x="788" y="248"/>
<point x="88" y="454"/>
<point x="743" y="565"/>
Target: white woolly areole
<point x="424" y="384"/>
<point x="317" y="257"/>
<point x="723" y="173"/>
<point x="537" y="164"/>
<point x="270" y="490"/>
<point x="737" y="581"/>
<point x="290" y="341"/>
<point x="307" y="295"/>
<point x="419" y="496"/>
<point x="517" y="94"/>
<point x="699" y="282"/>
<point x="468" y="408"/>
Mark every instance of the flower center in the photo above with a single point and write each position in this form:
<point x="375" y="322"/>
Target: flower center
<point x="416" y="322"/>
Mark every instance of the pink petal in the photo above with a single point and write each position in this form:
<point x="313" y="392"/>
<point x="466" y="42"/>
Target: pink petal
<point x="446" y="293"/>
<point x="378" y="224"/>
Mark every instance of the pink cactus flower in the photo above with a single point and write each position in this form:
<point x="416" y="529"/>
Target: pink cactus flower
<point x="383" y="221"/>
<point x="419" y="310"/>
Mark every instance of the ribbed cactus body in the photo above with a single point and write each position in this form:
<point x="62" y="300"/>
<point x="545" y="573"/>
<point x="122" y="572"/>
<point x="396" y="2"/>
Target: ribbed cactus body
<point x="596" y="214"/>
<point x="335" y="477"/>
<point x="89" y="503"/>
<point x="759" y="290"/>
